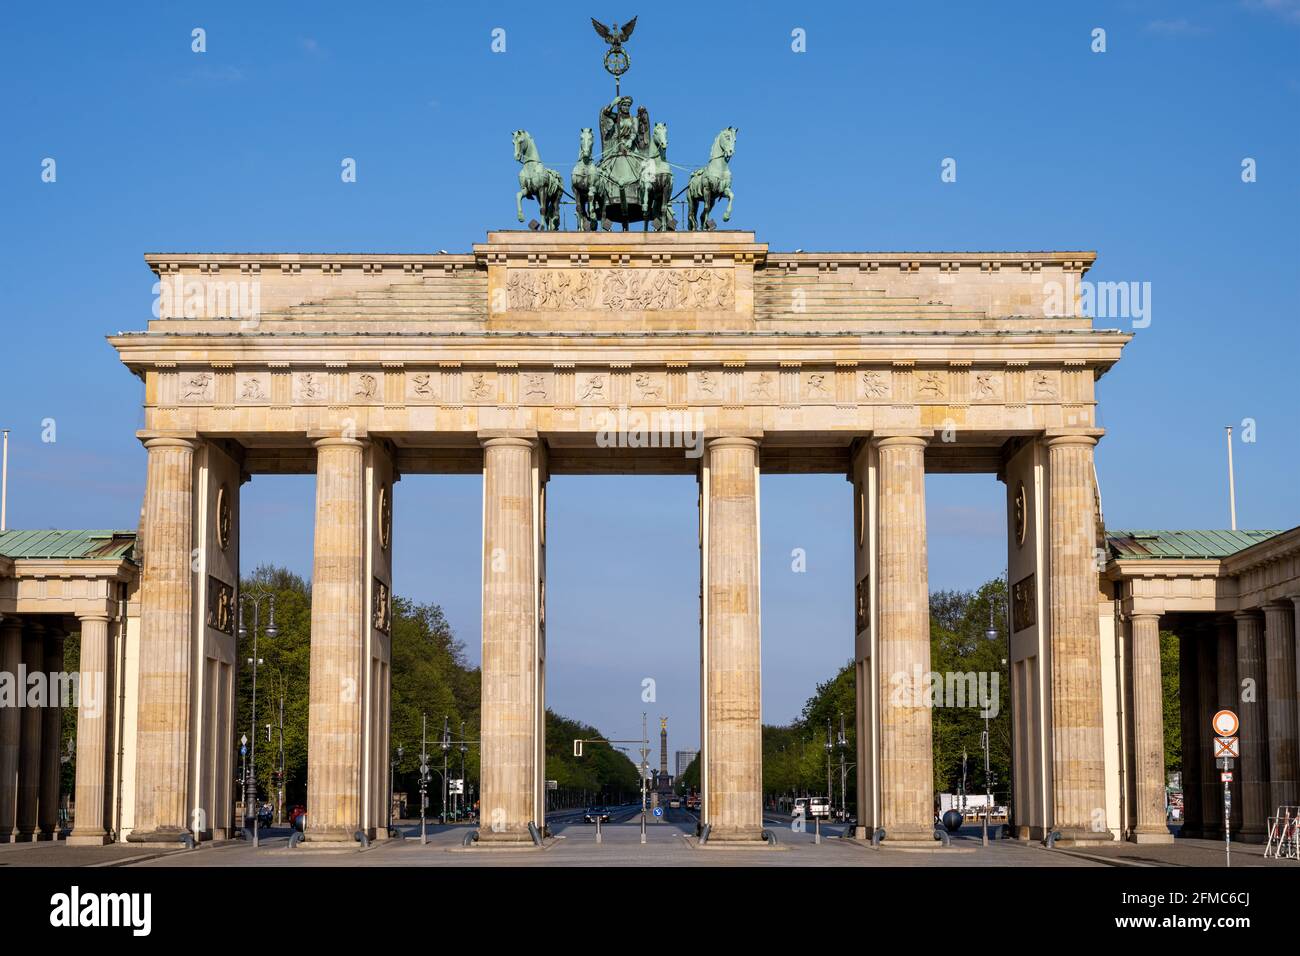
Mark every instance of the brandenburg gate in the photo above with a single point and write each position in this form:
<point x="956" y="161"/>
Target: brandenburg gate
<point x="545" y="353"/>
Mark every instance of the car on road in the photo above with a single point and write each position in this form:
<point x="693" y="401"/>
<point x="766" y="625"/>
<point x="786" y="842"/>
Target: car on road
<point x="592" y="814"/>
<point x="675" y="804"/>
<point x="265" y="815"/>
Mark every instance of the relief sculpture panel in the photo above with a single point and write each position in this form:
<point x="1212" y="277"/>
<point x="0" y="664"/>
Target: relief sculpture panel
<point x="617" y="290"/>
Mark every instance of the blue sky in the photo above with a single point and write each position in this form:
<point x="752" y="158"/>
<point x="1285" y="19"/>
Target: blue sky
<point x="1135" y="152"/>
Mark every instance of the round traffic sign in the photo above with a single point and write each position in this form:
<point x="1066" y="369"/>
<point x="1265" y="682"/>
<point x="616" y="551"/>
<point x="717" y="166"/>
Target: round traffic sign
<point x="1224" y="723"/>
<point x="659" y="811"/>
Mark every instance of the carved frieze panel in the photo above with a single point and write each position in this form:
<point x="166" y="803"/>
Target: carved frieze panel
<point x="818" y="386"/>
<point x="196" y="387"/>
<point x="619" y="289"/>
<point x="422" y="385"/>
<point x="592" y="388"/>
<point x="649" y="387"/>
<point x="1024" y="604"/>
<point x="761" y="386"/>
<point x="252" y="388"/>
<point x="221" y="606"/>
<point x="987" y="385"/>
<point x="1043" y="385"/>
<point x="364" y="387"/>
<point x="875" y="385"/>
<point x="705" y="386"/>
<point x="311" y="388"/>
<point x="478" y="386"/>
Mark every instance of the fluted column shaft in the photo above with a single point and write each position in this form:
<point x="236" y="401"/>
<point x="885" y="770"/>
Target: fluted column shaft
<point x="51" y="738"/>
<point x="11" y="657"/>
<point x="1252" y="714"/>
<point x="166" y="643"/>
<point x="29" y="744"/>
<point x="733" y="678"/>
<point x="338" y="622"/>
<point x="1226" y="630"/>
<point x="1280" y="674"/>
<point x="92" y="733"/>
<point x="1148" y="730"/>
<point x="903" y="644"/>
<point x="1078" y="746"/>
<point x="509" y="671"/>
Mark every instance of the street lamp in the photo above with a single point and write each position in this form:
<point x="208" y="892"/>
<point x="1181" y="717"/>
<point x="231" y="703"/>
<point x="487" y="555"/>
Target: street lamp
<point x="446" y="748"/>
<point x="250" y="781"/>
<point x="424" y="776"/>
<point x="992" y="635"/>
<point x="464" y="749"/>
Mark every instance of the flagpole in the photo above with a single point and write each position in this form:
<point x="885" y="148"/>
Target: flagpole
<point x="1232" y="484"/>
<point x="4" y="485"/>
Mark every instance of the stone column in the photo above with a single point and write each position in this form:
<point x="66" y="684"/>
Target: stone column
<point x="1078" y="745"/>
<point x="1229" y="692"/>
<point x="29" y="741"/>
<point x="509" y="670"/>
<point x="903" y="644"/>
<point x="1207" y="683"/>
<point x="733" y="685"/>
<point x="166" y="644"/>
<point x="1253" y="714"/>
<point x="1279" y="649"/>
<point x="92" y="733"/>
<point x="11" y="657"/>
<point x="339" y="621"/>
<point x="1189" y="708"/>
<point x="51" y="739"/>
<point x="1148" y="731"/>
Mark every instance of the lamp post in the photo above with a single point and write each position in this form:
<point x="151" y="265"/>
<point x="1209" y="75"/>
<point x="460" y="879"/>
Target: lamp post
<point x="424" y="776"/>
<point x="992" y="635"/>
<point x="250" y="781"/>
<point x="446" y="749"/>
<point x="843" y="743"/>
<point x="464" y="749"/>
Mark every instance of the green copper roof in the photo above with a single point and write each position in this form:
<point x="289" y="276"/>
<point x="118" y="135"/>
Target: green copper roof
<point x="92" y="545"/>
<point x="1182" y="544"/>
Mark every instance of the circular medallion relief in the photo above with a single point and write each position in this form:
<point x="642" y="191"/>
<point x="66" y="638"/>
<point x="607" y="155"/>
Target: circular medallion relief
<point x="223" y="517"/>
<point x="385" y="518"/>
<point x="1020" y="513"/>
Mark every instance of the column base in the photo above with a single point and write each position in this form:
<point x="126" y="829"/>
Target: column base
<point x="165" y="836"/>
<point x="735" y="835"/>
<point x="1082" y="836"/>
<point x="31" y="837"/>
<point x="911" y="837"/>
<point x="1151" y="836"/>
<point x="88" y="839"/>
<point x="333" y="837"/>
<point x="504" y="837"/>
<point x="1249" y="836"/>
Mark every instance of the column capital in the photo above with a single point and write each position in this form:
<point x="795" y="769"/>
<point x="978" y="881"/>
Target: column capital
<point x="1143" y="615"/>
<point x="1249" y="614"/>
<point x="169" y="441"/>
<point x="1283" y="605"/>
<point x="1053" y="440"/>
<point x="731" y="441"/>
<point x="337" y="441"/>
<point x="507" y="441"/>
<point x="93" y="616"/>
